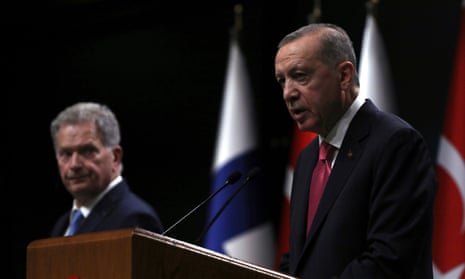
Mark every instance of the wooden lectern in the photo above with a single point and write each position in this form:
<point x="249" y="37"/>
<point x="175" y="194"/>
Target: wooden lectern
<point x="133" y="254"/>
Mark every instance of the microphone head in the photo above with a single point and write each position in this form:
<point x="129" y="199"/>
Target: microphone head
<point x="253" y="172"/>
<point x="233" y="177"/>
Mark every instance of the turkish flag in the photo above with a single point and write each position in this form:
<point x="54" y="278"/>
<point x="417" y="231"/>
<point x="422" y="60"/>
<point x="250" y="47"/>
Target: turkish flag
<point x="449" y="222"/>
<point x="299" y="141"/>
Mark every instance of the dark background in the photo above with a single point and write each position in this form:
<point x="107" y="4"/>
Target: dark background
<point x="160" y="66"/>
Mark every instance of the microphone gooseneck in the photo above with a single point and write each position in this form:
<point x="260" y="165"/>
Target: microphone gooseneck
<point x="250" y="176"/>
<point x="232" y="178"/>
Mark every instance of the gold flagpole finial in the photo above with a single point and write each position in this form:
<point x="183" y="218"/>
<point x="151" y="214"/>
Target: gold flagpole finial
<point x="316" y="13"/>
<point x="372" y="6"/>
<point x="237" y="18"/>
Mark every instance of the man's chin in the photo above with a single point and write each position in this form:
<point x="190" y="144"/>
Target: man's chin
<point x="77" y="187"/>
<point x="306" y="126"/>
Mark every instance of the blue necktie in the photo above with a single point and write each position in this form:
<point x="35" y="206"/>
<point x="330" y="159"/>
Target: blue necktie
<point x="76" y="219"/>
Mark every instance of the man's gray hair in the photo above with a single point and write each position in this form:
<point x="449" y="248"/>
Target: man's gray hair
<point x="336" y="45"/>
<point x="84" y="112"/>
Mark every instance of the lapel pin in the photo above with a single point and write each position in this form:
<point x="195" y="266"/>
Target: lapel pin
<point x="350" y="154"/>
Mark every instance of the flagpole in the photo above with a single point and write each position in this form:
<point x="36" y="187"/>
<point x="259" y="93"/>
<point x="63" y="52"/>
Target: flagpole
<point x="372" y="7"/>
<point x="315" y="15"/>
<point x="375" y="76"/>
<point x="237" y="19"/>
<point x="239" y="225"/>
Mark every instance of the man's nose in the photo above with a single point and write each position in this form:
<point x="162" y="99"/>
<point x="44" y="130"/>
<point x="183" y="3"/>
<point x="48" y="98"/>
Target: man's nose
<point x="75" y="160"/>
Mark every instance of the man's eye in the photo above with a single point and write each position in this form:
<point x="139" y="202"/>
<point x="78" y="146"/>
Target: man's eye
<point x="64" y="155"/>
<point x="300" y="76"/>
<point x="87" y="152"/>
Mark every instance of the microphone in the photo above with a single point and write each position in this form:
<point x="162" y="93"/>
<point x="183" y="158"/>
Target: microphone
<point x="252" y="174"/>
<point x="232" y="178"/>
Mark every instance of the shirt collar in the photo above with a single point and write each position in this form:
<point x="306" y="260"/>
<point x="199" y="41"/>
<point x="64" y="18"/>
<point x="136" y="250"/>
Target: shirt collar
<point x="337" y="133"/>
<point x="85" y="210"/>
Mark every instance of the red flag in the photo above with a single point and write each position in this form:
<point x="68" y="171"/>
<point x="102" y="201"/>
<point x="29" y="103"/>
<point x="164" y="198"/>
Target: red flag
<point x="299" y="141"/>
<point x="449" y="215"/>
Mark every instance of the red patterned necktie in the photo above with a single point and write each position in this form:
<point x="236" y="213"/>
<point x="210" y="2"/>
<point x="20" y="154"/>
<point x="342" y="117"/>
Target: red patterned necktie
<point x="319" y="178"/>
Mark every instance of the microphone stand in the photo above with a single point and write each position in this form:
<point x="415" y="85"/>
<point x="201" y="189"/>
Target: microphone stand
<point x="251" y="175"/>
<point x="232" y="178"/>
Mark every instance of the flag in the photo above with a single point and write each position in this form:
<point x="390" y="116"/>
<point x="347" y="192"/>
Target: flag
<point x="449" y="211"/>
<point x="244" y="230"/>
<point x="374" y="69"/>
<point x="299" y="141"/>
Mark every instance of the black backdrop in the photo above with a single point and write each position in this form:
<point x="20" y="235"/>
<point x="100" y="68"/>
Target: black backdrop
<point x="161" y="68"/>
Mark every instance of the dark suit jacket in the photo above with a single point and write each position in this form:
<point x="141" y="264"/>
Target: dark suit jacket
<point x="375" y="218"/>
<point x="119" y="208"/>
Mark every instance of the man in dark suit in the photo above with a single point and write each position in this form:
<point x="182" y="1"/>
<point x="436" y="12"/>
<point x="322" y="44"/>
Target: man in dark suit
<point x="86" y="139"/>
<point x="375" y="216"/>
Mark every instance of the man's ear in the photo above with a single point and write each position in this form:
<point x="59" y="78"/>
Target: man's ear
<point x="346" y="72"/>
<point x="117" y="151"/>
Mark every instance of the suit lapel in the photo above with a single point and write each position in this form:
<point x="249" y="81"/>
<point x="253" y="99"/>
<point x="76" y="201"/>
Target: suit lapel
<point x="103" y="208"/>
<point x="351" y="150"/>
